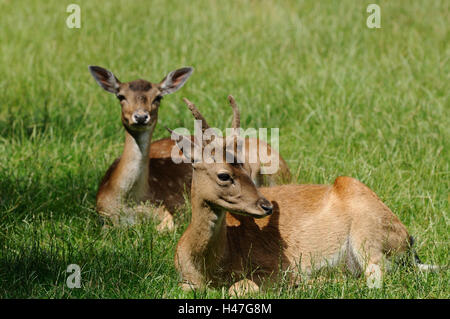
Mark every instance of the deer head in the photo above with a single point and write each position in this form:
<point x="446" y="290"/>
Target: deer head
<point x="219" y="181"/>
<point x="140" y="99"/>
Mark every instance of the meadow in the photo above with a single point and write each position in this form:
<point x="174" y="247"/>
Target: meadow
<point x="348" y="100"/>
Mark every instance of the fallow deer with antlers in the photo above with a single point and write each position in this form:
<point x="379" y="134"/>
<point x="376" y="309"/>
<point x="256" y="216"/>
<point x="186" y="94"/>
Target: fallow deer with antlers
<point x="239" y="230"/>
<point x="146" y="171"/>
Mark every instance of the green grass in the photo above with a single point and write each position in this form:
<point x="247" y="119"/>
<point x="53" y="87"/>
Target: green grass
<point x="367" y="103"/>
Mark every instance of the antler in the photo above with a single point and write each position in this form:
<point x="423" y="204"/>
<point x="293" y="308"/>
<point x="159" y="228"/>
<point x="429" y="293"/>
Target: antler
<point x="196" y="113"/>
<point x="236" y="123"/>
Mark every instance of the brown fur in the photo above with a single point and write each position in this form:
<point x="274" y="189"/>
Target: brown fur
<point x="170" y="182"/>
<point x="127" y="183"/>
<point x="311" y="226"/>
<point x="145" y="173"/>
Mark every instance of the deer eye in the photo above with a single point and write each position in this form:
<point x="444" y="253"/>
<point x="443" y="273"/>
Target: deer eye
<point x="224" y="177"/>
<point x="157" y="99"/>
<point x="121" y="97"/>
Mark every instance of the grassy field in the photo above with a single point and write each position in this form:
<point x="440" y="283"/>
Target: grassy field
<point x="368" y="103"/>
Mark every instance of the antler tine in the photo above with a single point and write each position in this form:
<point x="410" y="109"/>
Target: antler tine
<point x="236" y="123"/>
<point x="196" y="113"/>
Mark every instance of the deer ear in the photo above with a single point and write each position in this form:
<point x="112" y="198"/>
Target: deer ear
<point x="175" y="80"/>
<point x="105" y="79"/>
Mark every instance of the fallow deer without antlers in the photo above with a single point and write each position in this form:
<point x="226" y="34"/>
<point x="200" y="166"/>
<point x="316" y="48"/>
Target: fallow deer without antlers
<point x="146" y="171"/>
<point x="293" y="228"/>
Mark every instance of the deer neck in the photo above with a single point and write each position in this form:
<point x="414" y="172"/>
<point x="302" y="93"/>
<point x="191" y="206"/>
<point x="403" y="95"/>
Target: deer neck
<point x="205" y="241"/>
<point x="133" y="167"/>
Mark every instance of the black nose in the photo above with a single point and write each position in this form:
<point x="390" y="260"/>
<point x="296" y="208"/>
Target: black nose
<point x="266" y="206"/>
<point x="141" y="118"/>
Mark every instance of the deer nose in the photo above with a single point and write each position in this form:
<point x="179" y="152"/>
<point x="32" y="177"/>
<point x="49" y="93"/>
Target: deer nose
<point x="266" y="206"/>
<point x="141" y="118"/>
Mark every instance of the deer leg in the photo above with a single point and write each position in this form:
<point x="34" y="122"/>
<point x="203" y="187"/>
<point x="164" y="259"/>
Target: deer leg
<point x="374" y="275"/>
<point x="119" y="215"/>
<point x="165" y="218"/>
<point x="370" y="258"/>
<point x="187" y="286"/>
<point x="167" y="223"/>
<point x="129" y="216"/>
<point x="242" y="288"/>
